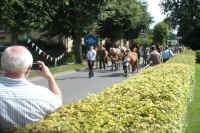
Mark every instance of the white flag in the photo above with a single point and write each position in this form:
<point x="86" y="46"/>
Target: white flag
<point x="33" y="44"/>
<point x="36" y="48"/>
<point x="47" y="57"/>
<point x="29" y="40"/>
<point x="40" y="51"/>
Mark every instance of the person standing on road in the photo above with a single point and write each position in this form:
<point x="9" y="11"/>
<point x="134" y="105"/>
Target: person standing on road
<point x="91" y="56"/>
<point x="22" y="102"/>
<point x="155" y="57"/>
<point x="101" y="58"/>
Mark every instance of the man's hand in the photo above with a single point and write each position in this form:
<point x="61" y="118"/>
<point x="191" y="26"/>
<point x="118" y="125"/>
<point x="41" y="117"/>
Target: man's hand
<point x="44" y="72"/>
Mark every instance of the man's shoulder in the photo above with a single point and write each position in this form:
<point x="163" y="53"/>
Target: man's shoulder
<point x="23" y="91"/>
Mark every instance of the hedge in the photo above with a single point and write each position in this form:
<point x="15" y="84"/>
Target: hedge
<point x="153" y="101"/>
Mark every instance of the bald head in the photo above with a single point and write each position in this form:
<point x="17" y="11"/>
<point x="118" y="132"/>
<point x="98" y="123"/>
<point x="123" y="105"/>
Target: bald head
<point x="16" y="59"/>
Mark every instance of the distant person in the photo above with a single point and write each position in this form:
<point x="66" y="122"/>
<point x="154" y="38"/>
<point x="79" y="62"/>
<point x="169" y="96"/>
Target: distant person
<point x="167" y="54"/>
<point x="180" y="48"/>
<point x="101" y="55"/>
<point x="91" y="57"/>
<point x="155" y="57"/>
<point x="22" y="102"/>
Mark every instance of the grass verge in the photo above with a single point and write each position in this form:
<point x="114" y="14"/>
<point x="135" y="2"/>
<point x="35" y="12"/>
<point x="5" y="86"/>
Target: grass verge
<point x="63" y="68"/>
<point x="194" y="109"/>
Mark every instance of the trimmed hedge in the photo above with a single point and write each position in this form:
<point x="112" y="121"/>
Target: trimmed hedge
<point x="153" y="101"/>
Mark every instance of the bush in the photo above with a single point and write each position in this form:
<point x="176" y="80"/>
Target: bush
<point x="187" y="57"/>
<point x="153" y="101"/>
<point x="70" y="57"/>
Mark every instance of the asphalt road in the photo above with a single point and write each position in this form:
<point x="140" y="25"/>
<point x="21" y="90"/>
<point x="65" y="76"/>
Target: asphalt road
<point x="76" y="85"/>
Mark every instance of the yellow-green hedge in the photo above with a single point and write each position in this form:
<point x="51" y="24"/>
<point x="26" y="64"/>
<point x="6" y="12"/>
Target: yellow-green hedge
<point x="153" y="101"/>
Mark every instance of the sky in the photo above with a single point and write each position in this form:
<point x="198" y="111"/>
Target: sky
<point x="155" y="10"/>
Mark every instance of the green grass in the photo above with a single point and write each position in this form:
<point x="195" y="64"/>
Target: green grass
<point x="63" y="68"/>
<point x="193" y="118"/>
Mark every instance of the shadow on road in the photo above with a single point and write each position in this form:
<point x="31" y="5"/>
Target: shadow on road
<point x="74" y="77"/>
<point x="112" y="75"/>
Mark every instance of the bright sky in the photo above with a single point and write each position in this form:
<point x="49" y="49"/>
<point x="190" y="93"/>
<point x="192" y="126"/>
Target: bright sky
<point x="155" y="10"/>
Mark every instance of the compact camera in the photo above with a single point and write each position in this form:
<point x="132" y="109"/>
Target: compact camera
<point x="36" y="66"/>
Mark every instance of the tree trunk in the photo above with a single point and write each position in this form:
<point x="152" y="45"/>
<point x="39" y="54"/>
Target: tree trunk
<point x="14" y="38"/>
<point x="77" y="48"/>
<point x="113" y="43"/>
<point x="60" y="39"/>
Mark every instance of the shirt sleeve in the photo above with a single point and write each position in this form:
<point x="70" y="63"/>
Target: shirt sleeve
<point x="49" y="101"/>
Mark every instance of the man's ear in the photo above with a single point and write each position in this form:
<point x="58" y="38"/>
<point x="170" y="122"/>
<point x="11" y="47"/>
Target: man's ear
<point x="28" y="71"/>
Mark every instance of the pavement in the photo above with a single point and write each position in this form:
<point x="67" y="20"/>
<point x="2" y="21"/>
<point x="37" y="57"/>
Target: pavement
<point x="76" y="85"/>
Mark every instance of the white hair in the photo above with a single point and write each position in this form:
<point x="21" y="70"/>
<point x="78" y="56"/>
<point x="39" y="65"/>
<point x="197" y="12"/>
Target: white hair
<point x="16" y="59"/>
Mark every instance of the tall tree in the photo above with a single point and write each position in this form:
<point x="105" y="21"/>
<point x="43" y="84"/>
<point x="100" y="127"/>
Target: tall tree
<point x="20" y="16"/>
<point x="184" y="14"/>
<point x="75" y="18"/>
<point x="160" y="33"/>
<point x="125" y="19"/>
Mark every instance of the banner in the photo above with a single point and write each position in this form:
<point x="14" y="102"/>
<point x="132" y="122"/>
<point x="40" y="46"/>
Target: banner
<point x="42" y="53"/>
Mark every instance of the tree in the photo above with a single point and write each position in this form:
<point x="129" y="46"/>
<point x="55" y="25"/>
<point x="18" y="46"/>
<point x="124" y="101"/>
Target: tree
<point x="125" y="19"/>
<point x="21" y="16"/>
<point x="147" y="42"/>
<point x="160" y="33"/>
<point x="184" y="14"/>
<point x="75" y="18"/>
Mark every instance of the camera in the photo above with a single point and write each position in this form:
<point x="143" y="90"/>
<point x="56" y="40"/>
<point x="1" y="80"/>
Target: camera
<point x="36" y="66"/>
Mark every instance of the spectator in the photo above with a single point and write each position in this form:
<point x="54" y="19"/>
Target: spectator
<point x="155" y="57"/>
<point x="22" y="102"/>
<point x="167" y="54"/>
<point x="91" y="56"/>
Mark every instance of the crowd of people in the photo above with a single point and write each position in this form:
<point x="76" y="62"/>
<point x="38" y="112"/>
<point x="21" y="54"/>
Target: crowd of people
<point x="151" y="56"/>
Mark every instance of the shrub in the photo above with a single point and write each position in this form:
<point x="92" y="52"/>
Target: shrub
<point x="153" y="101"/>
<point x="187" y="57"/>
<point x="70" y="57"/>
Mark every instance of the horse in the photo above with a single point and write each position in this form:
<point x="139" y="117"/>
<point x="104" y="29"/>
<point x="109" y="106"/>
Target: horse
<point x="115" y="58"/>
<point x="133" y="60"/>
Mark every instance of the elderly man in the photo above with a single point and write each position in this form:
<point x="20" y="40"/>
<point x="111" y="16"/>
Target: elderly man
<point x="22" y="102"/>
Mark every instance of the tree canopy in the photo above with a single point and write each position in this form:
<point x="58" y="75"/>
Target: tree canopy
<point x="184" y="15"/>
<point x="125" y="19"/>
<point x="113" y="19"/>
<point x="19" y="16"/>
<point x="160" y="33"/>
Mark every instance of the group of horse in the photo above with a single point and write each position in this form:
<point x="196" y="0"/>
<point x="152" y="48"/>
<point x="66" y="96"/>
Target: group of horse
<point x="116" y="57"/>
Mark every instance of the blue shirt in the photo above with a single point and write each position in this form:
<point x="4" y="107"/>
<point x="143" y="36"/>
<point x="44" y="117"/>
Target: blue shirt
<point x="22" y="102"/>
<point x="166" y="54"/>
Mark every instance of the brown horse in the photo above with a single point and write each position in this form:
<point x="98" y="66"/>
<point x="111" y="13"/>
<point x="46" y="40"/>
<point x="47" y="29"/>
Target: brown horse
<point x="133" y="60"/>
<point x="106" y="56"/>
